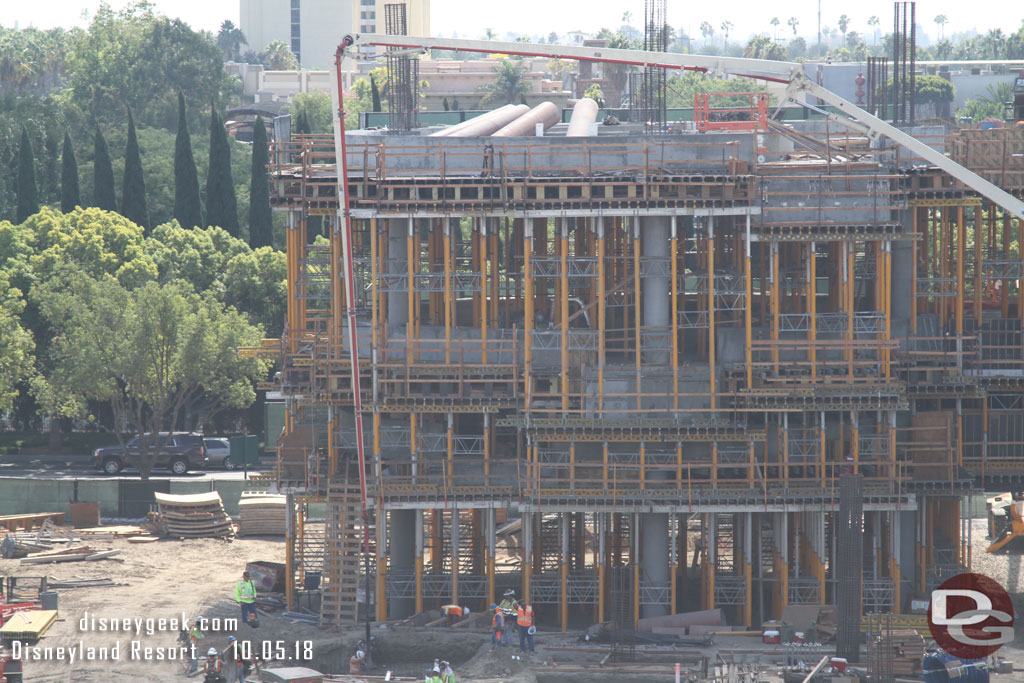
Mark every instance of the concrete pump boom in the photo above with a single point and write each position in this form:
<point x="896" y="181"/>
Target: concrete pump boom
<point x="790" y="73"/>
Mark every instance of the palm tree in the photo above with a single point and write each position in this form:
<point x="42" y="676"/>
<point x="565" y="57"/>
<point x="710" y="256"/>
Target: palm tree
<point x="793" y="23"/>
<point x="706" y="30"/>
<point x="873" y="23"/>
<point x="726" y="26"/>
<point x="279" y="57"/>
<point x="775" y="28"/>
<point x="627" y="17"/>
<point x="509" y="85"/>
<point x="844" y="23"/>
<point x="230" y="40"/>
<point x="489" y="34"/>
<point x="941" y="21"/>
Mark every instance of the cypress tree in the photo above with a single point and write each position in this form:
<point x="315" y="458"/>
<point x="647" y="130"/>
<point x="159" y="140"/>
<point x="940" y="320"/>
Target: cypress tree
<point x="186" y="181"/>
<point x="70" y="196"/>
<point x="28" y="193"/>
<point x="221" y="205"/>
<point x="444" y="103"/>
<point x="303" y="124"/>
<point x="374" y="94"/>
<point x="103" y="175"/>
<point x="133" y="195"/>
<point x="260" y="223"/>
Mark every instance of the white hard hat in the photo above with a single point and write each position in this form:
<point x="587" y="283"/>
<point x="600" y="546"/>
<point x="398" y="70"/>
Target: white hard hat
<point x="465" y="611"/>
<point x="212" y="652"/>
<point x="360" y="654"/>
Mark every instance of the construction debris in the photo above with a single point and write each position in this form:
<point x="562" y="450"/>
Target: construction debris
<point x="85" y="554"/>
<point x="262" y="515"/>
<point x="192" y="515"/>
<point x="905" y="648"/>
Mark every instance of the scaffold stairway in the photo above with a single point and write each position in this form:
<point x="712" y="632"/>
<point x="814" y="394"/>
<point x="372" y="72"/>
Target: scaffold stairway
<point x="343" y="569"/>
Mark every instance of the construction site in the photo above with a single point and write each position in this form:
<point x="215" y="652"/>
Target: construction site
<point x="764" y="360"/>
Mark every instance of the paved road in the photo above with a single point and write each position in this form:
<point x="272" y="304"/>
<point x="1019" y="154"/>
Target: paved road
<point x="81" y="467"/>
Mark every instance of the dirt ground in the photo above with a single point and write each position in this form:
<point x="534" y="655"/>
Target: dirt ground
<point x="172" y="579"/>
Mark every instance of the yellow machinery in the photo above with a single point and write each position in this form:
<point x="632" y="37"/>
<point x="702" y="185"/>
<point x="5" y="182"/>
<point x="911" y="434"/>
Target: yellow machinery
<point x="1005" y="520"/>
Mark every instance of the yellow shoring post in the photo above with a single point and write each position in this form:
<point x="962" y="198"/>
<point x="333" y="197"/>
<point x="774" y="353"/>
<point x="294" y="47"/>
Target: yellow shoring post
<point x="812" y="309"/>
<point x="747" y="322"/>
<point x="887" y="304"/>
<point x="604" y="465"/>
<point x="714" y="464"/>
<point x="457" y="541"/>
<point x="381" y="603"/>
<point x="711" y="308"/>
<point x="601" y="322"/>
<point x="378" y="474"/>
<point x="643" y="466"/>
<point x="450" y="447"/>
<point x="448" y="302"/>
<point x="636" y="305"/>
<point x="563" y="306"/>
<point x="495" y="267"/>
<point x="776" y="304"/>
<point x="528" y="315"/>
<point x="482" y="246"/>
<point x="374" y="311"/>
<point x="942" y="254"/>
<point x="1004" y="295"/>
<point x="600" y="560"/>
<point x="674" y="256"/>
<point x="979" y="227"/>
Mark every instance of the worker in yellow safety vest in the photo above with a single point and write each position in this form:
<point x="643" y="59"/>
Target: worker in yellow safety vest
<point x="245" y="596"/>
<point x="524" y="624"/>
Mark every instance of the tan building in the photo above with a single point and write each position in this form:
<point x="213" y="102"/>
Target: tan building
<point x="312" y="28"/>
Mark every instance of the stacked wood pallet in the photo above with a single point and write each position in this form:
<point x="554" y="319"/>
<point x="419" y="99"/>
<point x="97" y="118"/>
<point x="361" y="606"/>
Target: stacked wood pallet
<point x="262" y="515"/>
<point x="905" y="648"/>
<point x="193" y="515"/>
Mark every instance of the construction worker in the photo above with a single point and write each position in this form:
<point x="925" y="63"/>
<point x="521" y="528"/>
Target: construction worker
<point x="497" y="625"/>
<point x="447" y="675"/>
<point x="453" y="613"/>
<point x="357" y="663"/>
<point x="524" y="624"/>
<point x="508" y="609"/>
<point x="194" y="636"/>
<point x="245" y="596"/>
<point x="213" y="667"/>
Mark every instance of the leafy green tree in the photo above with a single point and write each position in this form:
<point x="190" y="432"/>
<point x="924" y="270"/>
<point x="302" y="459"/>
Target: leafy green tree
<point x="221" y="203"/>
<point x="595" y="93"/>
<point x="260" y="217"/>
<point x="509" y="84"/>
<point x="255" y="283"/>
<point x="375" y="94"/>
<point x="139" y="59"/>
<point x="16" y="345"/>
<point x="91" y="241"/>
<point x="455" y="104"/>
<point x="314" y="108"/>
<point x="70" y="197"/>
<point x="103" y="175"/>
<point x="279" y="57"/>
<point x="133" y="196"/>
<point x="198" y="256"/>
<point x="187" y="209"/>
<point x="763" y="47"/>
<point x="160" y="355"/>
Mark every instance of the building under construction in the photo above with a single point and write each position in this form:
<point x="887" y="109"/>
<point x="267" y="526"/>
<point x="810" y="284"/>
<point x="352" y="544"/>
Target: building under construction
<point x="626" y="371"/>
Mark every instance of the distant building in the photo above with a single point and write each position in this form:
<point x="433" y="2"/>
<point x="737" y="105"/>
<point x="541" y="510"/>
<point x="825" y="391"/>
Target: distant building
<point x="313" y="28"/>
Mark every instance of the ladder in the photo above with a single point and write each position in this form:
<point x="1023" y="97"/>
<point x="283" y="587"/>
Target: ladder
<point x="343" y="572"/>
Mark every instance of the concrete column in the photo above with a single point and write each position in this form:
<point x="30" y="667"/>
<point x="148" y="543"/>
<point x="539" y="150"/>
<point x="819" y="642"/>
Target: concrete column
<point x="398" y="264"/>
<point x="402" y="553"/>
<point x="655" y="295"/>
<point x="654" y="557"/>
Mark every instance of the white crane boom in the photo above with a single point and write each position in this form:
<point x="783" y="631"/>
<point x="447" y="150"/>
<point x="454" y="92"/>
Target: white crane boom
<point x="790" y="73"/>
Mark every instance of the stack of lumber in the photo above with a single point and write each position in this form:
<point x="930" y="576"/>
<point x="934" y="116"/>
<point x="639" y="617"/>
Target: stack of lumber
<point x="83" y="553"/>
<point x="192" y="515"/>
<point x="904" y="646"/>
<point x="262" y="515"/>
<point x="28" y="625"/>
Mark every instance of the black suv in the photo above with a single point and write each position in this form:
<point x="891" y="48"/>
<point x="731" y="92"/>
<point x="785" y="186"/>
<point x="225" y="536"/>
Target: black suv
<point x="180" y="453"/>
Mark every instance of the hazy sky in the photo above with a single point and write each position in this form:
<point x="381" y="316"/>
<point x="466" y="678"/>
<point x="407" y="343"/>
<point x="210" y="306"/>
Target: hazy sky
<point x="471" y="17"/>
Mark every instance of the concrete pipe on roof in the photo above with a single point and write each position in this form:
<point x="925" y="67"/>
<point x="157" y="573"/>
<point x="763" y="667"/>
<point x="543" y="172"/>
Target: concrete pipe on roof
<point x="584" y="115"/>
<point x="485" y="124"/>
<point x="545" y="113"/>
<point x="448" y="130"/>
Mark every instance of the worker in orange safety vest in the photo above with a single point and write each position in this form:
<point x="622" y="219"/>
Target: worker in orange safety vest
<point x="524" y="622"/>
